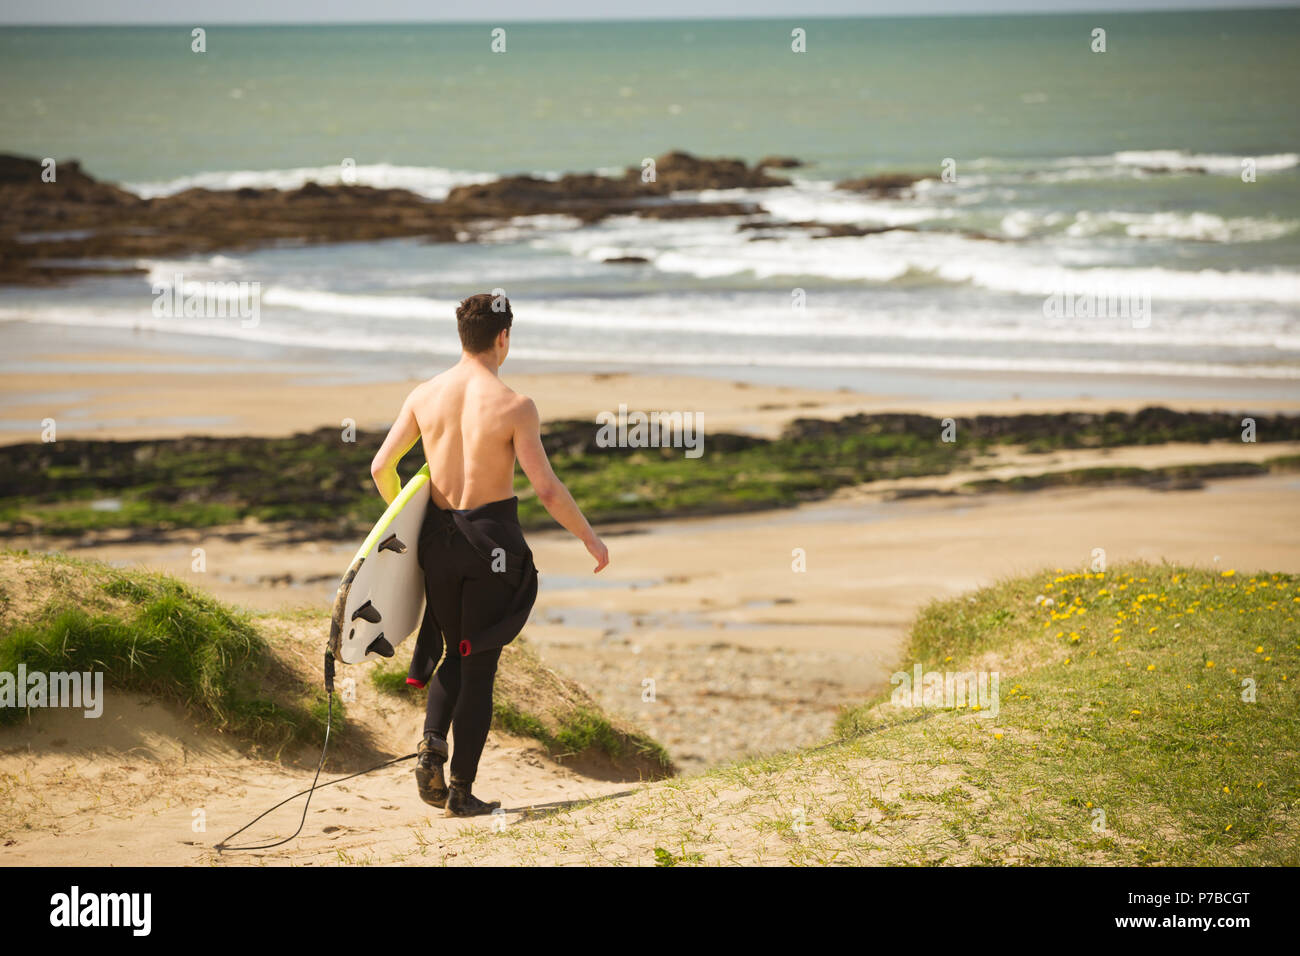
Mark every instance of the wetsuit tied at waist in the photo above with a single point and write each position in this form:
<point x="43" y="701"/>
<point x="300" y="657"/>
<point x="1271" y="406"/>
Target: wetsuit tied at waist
<point x="480" y="582"/>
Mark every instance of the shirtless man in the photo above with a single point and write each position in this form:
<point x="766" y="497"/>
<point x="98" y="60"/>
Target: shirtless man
<point x="478" y="568"/>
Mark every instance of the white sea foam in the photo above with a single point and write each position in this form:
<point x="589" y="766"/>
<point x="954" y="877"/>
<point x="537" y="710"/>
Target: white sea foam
<point x="1206" y="285"/>
<point x="376" y="306"/>
<point x="303" y="317"/>
<point x="1125" y="164"/>
<point x="428" y="181"/>
<point x="525" y="227"/>
<point x="711" y="249"/>
<point x="348" y="339"/>
<point x="1197" y="226"/>
<point x="1192" y="226"/>
<point x="1216" y="163"/>
<point x="820" y="202"/>
<point x="947" y="257"/>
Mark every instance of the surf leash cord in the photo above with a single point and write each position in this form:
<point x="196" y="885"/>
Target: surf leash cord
<point x="224" y="845"/>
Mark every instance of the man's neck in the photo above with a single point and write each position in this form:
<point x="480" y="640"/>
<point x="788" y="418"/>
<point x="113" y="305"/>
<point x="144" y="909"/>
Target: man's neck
<point x="484" y="360"/>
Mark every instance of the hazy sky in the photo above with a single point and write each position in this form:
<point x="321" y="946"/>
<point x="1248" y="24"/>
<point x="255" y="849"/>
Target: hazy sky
<point x="341" y="11"/>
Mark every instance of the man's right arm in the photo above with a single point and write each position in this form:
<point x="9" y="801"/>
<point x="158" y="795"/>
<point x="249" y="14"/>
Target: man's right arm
<point x="550" y="490"/>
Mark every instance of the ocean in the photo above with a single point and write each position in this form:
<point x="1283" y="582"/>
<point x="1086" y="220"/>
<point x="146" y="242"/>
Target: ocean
<point x="1097" y="235"/>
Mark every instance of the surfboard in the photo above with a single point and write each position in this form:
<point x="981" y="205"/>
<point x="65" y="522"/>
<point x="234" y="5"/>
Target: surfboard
<point x="380" y="600"/>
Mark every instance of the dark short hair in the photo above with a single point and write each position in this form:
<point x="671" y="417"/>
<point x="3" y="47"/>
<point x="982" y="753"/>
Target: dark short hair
<point x="479" y="323"/>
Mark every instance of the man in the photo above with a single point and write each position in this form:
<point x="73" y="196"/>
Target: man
<point x="480" y="581"/>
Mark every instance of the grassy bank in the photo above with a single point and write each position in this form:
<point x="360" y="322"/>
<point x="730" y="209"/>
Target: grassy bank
<point x="257" y="678"/>
<point x="321" y="483"/>
<point x="152" y="634"/>
<point x="1145" y="715"/>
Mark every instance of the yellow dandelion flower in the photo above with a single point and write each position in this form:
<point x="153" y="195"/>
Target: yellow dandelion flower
<point x="1151" y="667"/>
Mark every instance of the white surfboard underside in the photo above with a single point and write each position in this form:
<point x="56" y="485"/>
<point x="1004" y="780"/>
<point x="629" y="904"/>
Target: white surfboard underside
<point x="389" y="583"/>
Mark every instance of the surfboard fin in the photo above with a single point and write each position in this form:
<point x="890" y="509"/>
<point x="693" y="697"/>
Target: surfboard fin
<point x="367" y="612"/>
<point x="381" y="647"/>
<point x="392" y="543"/>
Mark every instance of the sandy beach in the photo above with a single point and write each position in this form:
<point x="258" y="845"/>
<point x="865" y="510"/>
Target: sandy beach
<point x="168" y="392"/>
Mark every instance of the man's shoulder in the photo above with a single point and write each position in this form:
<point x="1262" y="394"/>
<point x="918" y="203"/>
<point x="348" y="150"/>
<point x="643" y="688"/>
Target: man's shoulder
<point x="520" y="406"/>
<point x="516" y="408"/>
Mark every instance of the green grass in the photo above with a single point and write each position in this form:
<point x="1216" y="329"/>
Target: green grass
<point x="1125" y="734"/>
<point x="1133" y="705"/>
<point x="159" y="636"/>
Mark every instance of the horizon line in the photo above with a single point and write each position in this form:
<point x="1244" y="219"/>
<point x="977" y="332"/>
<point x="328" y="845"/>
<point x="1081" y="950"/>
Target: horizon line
<point x="703" y="18"/>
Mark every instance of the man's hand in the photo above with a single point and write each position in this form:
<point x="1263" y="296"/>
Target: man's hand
<point x="596" y="548"/>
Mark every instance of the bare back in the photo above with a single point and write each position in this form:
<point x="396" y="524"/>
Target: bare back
<point x="466" y="417"/>
<point x="472" y="428"/>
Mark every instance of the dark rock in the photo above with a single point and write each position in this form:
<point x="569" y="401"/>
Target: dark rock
<point x="885" y="184"/>
<point x="780" y="162"/>
<point x="682" y="172"/>
<point x="822" y="230"/>
<point x="309" y="190"/>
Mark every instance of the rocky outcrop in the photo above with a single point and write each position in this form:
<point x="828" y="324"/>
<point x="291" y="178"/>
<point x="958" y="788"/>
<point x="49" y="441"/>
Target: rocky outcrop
<point x="53" y="231"/>
<point x="78" y="225"/>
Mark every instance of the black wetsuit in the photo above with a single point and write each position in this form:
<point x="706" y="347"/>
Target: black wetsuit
<point x="480" y="585"/>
